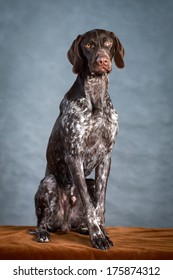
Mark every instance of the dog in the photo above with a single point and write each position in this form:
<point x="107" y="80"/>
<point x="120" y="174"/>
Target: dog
<point x="81" y="141"/>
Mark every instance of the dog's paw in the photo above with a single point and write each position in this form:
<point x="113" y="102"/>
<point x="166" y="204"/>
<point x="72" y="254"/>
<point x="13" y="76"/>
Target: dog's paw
<point x="106" y="236"/>
<point x="43" y="236"/>
<point x="100" y="239"/>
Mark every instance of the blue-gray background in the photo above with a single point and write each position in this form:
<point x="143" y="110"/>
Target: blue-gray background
<point x="34" y="76"/>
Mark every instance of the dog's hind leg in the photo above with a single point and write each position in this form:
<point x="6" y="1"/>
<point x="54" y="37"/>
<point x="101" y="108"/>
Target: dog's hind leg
<point x="46" y="201"/>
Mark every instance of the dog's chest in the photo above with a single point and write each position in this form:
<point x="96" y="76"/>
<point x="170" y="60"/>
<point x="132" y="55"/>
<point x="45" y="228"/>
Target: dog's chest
<point x="91" y="124"/>
<point x="102" y="126"/>
<point x="100" y="137"/>
<point x="103" y="119"/>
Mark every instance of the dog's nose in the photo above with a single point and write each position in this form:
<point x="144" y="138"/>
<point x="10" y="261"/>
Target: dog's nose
<point x="102" y="60"/>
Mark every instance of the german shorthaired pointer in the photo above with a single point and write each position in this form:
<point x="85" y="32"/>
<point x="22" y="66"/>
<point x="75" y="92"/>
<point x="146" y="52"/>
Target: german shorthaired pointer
<point x="81" y="141"/>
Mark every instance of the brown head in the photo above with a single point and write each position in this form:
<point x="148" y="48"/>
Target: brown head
<point x="93" y="52"/>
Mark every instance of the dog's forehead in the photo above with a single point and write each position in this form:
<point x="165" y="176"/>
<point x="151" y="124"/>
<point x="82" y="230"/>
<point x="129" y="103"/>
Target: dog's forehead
<point x="96" y="34"/>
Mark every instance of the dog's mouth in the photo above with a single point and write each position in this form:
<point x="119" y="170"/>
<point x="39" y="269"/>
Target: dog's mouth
<point x="101" y="70"/>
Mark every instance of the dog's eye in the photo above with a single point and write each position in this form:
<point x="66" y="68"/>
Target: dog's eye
<point x="89" y="46"/>
<point x="108" y="43"/>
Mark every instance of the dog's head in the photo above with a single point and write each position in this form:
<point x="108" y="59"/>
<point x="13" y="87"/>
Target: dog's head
<point x="94" y="51"/>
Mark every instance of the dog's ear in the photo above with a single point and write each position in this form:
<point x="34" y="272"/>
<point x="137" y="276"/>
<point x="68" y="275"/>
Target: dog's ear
<point x="119" y="52"/>
<point x="74" y="57"/>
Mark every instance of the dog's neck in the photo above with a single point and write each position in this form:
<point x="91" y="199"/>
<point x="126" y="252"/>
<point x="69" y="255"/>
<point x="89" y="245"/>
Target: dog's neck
<point x="95" y="89"/>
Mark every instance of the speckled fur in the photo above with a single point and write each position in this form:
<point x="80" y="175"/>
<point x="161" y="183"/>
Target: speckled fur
<point x="81" y="141"/>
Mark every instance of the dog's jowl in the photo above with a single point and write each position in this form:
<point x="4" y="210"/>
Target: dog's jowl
<point x="81" y="141"/>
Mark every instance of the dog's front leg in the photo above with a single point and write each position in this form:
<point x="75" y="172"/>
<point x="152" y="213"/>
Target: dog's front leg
<point x="98" y="238"/>
<point x="101" y="179"/>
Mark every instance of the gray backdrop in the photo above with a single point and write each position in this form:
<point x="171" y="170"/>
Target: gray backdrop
<point x="34" y="76"/>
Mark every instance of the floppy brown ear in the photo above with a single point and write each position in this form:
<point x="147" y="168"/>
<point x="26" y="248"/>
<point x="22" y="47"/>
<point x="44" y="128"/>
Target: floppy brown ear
<point x="74" y="57"/>
<point x="119" y="53"/>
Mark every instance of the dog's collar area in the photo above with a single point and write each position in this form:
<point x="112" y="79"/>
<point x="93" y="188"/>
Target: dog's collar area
<point x="97" y="76"/>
